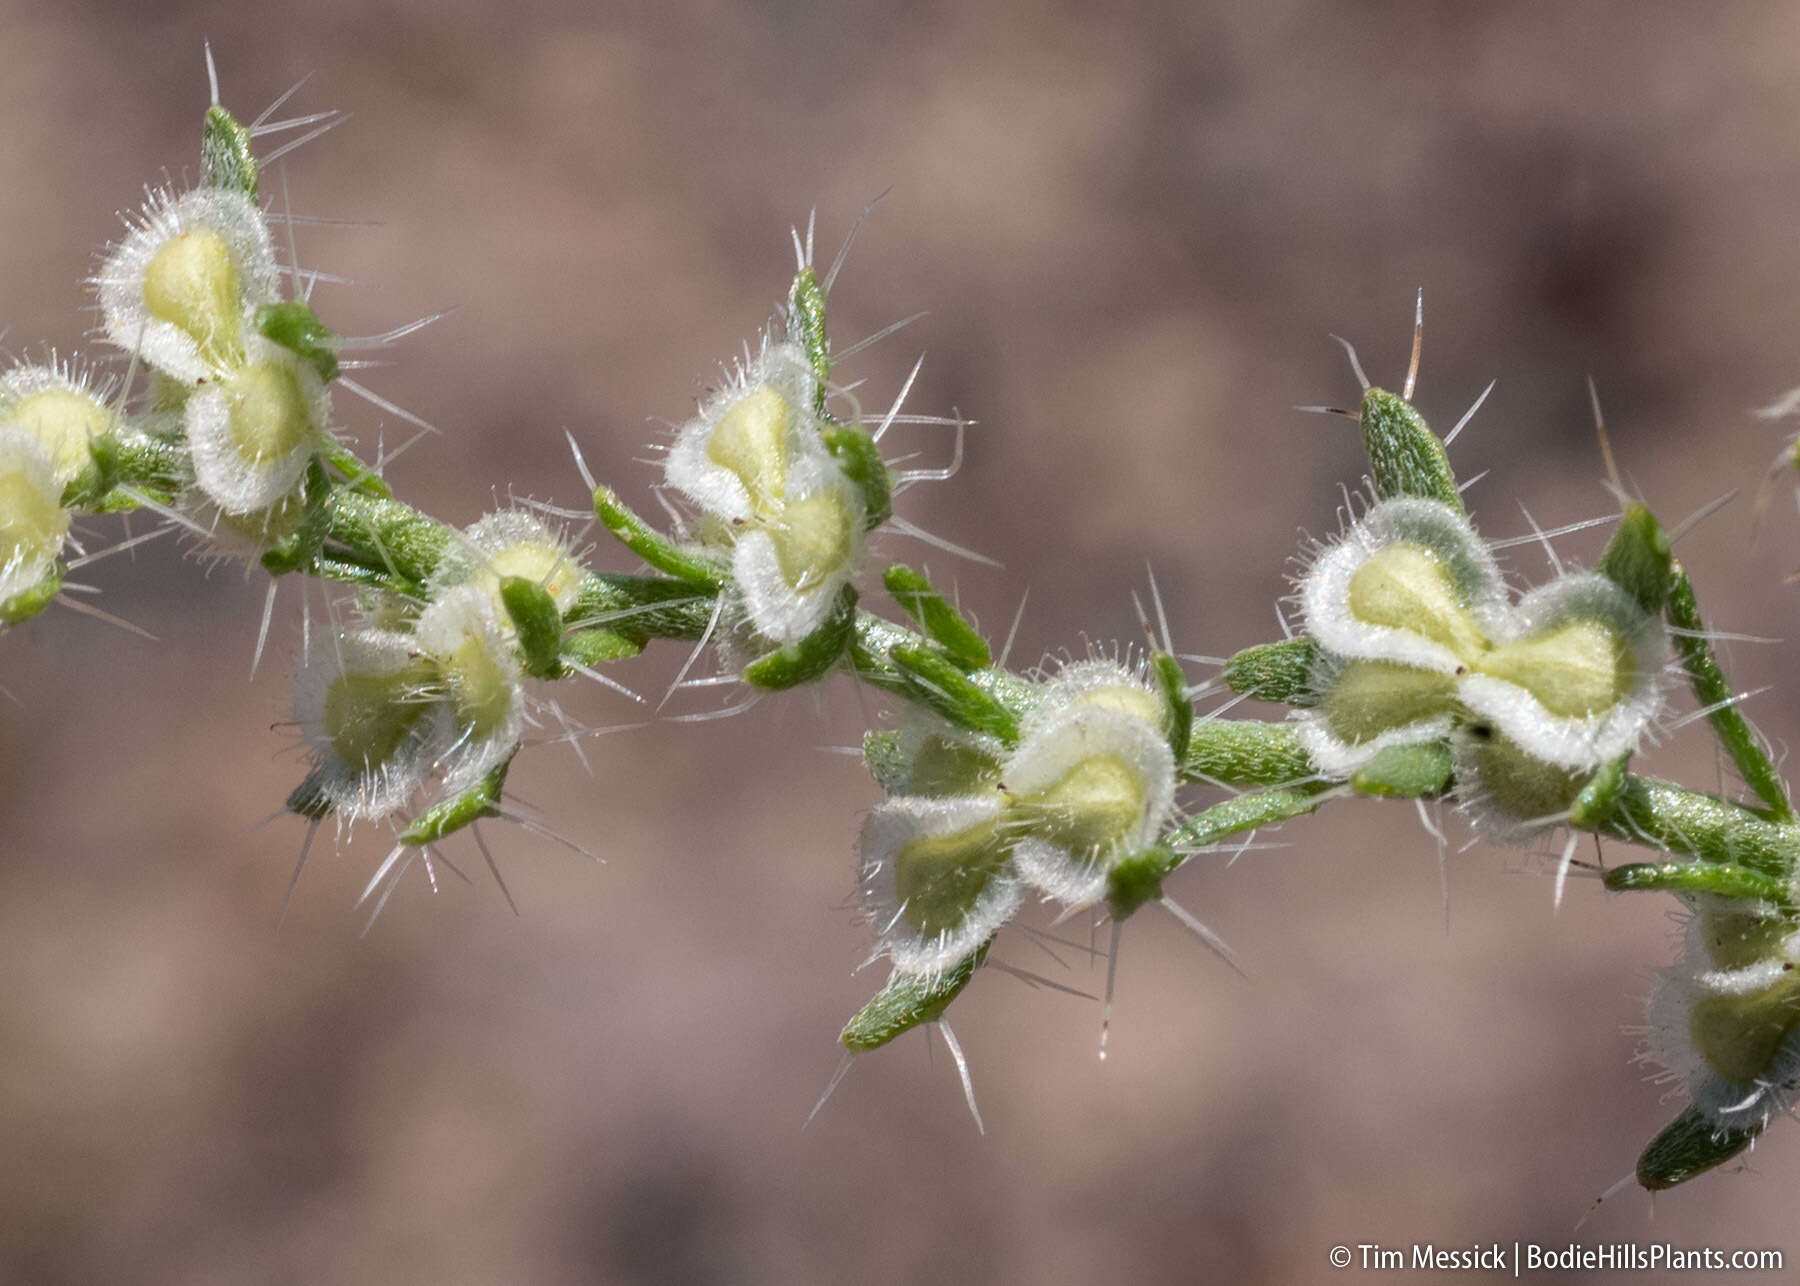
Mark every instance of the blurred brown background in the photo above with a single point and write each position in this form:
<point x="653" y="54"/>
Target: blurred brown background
<point x="1134" y="226"/>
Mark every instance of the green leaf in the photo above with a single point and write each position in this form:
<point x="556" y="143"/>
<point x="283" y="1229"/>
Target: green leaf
<point x="539" y="625"/>
<point x="651" y="545"/>
<point x="296" y="327"/>
<point x="28" y="603"/>
<point x="1179" y="708"/>
<point x="860" y="459"/>
<point x="480" y="801"/>
<point x="906" y="1001"/>
<point x="1405" y="456"/>
<point x="946" y="626"/>
<point x="1638" y="559"/>
<point x="1600" y="797"/>
<point x="1719" y="879"/>
<point x="597" y="646"/>
<point x="936" y="681"/>
<point x="1279" y="672"/>
<point x="1690" y="1145"/>
<point x="226" y="158"/>
<point x="810" y="657"/>
<point x="806" y="323"/>
<point x="1406" y="772"/>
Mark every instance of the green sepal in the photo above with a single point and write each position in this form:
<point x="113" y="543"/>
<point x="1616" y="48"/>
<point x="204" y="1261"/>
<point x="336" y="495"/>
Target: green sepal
<point x="1179" y="708"/>
<point x="1418" y="771"/>
<point x="226" y="158"/>
<point x="1279" y="672"/>
<point x="308" y="798"/>
<point x="806" y="323"/>
<point x="168" y="394"/>
<point x="357" y="475"/>
<point x="651" y="545"/>
<point x="296" y="327"/>
<point x="860" y="459"/>
<point x="300" y="552"/>
<point x="1720" y="879"/>
<point x="906" y="1001"/>
<point x="935" y="680"/>
<point x="539" y="625"/>
<point x="946" y="626"/>
<point x="643" y="607"/>
<point x="480" y="801"/>
<point x="1690" y="1145"/>
<point x="1600" y="797"/>
<point x="810" y="657"/>
<point x="1405" y="456"/>
<point x="1714" y="693"/>
<point x="1638" y="559"/>
<point x="88" y="489"/>
<point x="886" y="762"/>
<point x="598" y="646"/>
<point x="152" y="466"/>
<point x="1138" y="879"/>
<point x="28" y="603"/>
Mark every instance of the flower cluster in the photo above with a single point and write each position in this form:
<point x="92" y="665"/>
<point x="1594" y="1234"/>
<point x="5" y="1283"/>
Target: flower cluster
<point x="1421" y="642"/>
<point x="970" y="822"/>
<point x="777" y="514"/>
<point x="432" y="692"/>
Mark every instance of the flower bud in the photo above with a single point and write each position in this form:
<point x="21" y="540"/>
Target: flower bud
<point x="789" y="572"/>
<point x="508" y="543"/>
<point x="484" y="683"/>
<point x="733" y="459"/>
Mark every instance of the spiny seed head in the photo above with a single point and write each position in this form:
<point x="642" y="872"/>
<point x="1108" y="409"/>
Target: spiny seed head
<point x="182" y="289"/>
<point x="935" y="878"/>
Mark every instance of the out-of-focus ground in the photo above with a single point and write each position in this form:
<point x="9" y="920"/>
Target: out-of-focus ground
<point x="1134" y="227"/>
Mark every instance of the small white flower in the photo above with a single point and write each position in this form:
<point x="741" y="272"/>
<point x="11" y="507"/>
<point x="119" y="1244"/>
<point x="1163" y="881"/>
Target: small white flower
<point x="790" y="569"/>
<point x="935" y="879"/>
<point x="367" y="706"/>
<point x="1411" y="583"/>
<point x="1089" y="786"/>
<point x="733" y="459"/>
<point x="483" y="682"/>
<point x="254" y="430"/>
<point x="505" y="544"/>
<point x="1730" y="1036"/>
<point x="58" y="407"/>
<point x="1576" y="677"/>
<point x="182" y="289"/>
<point x="33" y="523"/>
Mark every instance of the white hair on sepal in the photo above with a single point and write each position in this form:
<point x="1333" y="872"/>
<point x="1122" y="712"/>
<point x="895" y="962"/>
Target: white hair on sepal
<point x="227" y="245"/>
<point x="482" y="680"/>
<point x="61" y="405"/>
<point x="1100" y="682"/>
<point x="789" y="570"/>
<point x="938" y="759"/>
<point x="1448" y="563"/>
<point x="935" y="879"/>
<point x="1730" y="1038"/>
<point x="1577" y="678"/>
<point x="1089" y="787"/>
<point x="33" y="522"/>
<point x="252" y="432"/>
<point x="372" y="720"/>
<point x="766" y="408"/>
<point x="1339" y="760"/>
<point x="505" y="543"/>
